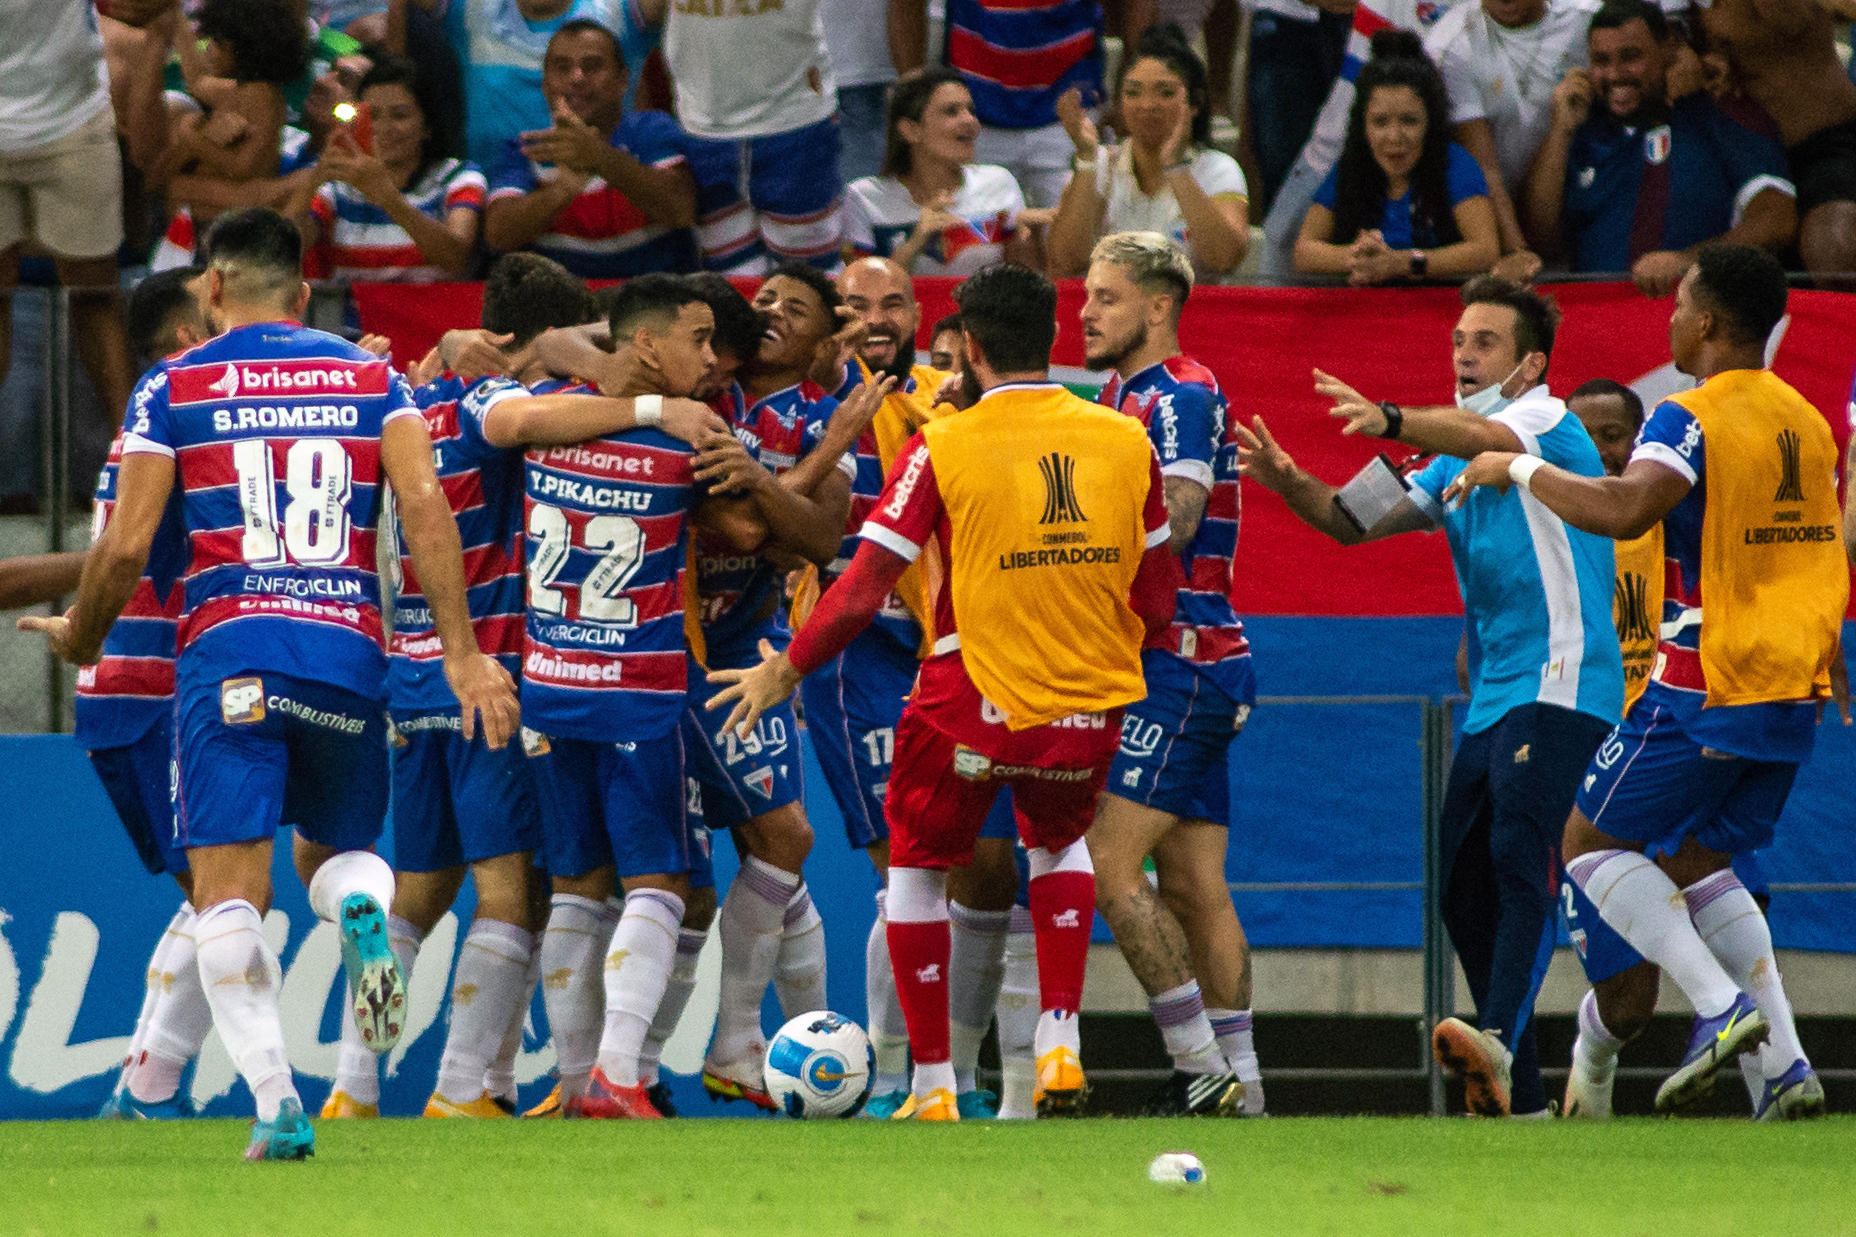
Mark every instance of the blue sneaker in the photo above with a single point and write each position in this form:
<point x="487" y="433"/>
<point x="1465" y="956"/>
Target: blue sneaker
<point x="1795" y="1095"/>
<point x="122" y="1106"/>
<point x="289" y="1137"/>
<point x="1712" y="1043"/>
<point x="977" y="1105"/>
<point x="884" y="1106"/>
<point x="376" y="989"/>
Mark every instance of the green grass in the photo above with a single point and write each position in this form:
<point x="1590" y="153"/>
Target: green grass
<point x="1322" y="1175"/>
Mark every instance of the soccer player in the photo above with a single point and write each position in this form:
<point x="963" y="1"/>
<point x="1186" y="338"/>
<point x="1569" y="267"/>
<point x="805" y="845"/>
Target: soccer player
<point x="1168" y="792"/>
<point x="781" y="457"/>
<point x="278" y="438"/>
<point x="1546" y="676"/>
<point x="607" y="535"/>
<point x="1741" y="472"/>
<point x="854" y="701"/>
<point x="123" y="713"/>
<point x="944" y="344"/>
<point x="457" y="803"/>
<point x="1048" y="516"/>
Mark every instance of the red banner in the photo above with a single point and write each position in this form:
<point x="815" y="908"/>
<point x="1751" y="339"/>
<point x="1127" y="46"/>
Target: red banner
<point x="1264" y="343"/>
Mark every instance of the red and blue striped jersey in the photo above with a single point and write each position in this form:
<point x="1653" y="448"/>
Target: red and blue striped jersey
<point x="275" y="433"/>
<point x="132" y="684"/>
<point x="1018" y="56"/>
<point x="483" y="485"/>
<point x="607" y="539"/>
<point x="359" y="240"/>
<point x="739" y="593"/>
<point x="1189" y="423"/>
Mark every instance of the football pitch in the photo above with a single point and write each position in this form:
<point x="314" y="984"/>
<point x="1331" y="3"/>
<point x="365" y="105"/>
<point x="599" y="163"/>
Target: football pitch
<point x="1353" y="1176"/>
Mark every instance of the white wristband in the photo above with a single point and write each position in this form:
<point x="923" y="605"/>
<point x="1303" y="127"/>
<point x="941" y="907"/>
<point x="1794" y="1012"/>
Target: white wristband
<point x="647" y="410"/>
<point x="1521" y="470"/>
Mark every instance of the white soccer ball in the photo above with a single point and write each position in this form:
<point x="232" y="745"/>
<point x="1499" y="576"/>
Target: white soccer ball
<point x="820" y="1066"/>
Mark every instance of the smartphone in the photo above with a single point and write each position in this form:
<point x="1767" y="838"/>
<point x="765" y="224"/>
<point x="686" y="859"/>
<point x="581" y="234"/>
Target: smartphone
<point x="358" y="119"/>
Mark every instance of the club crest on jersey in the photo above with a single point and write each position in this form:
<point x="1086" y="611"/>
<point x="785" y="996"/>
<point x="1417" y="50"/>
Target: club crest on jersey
<point x="1656" y="145"/>
<point x="534" y="743"/>
<point x="760" y="782"/>
<point x="970" y="764"/>
<point x="1060" y="505"/>
<point x="241" y="702"/>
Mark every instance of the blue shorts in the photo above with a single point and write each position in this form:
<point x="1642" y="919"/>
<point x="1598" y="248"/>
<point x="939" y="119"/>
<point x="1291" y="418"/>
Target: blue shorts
<point x="741" y="778"/>
<point x="456" y="802"/>
<point x="1175" y="743"/>
<point x="774" y="197"/>
<point x="139" y="779"/>
<point x="852" y="705"/>
<point x="1652" y="784"/>
<point x="612" y="803"/>
<point x="1602" y="952"/>
<point x="261" y="750"/>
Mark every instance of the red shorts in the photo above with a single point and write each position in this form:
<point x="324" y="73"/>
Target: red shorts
<point x="953" y="755"/>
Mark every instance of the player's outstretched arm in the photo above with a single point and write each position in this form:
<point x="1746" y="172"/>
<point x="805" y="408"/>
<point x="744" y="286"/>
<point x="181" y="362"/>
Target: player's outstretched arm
<point x="483" y="688"/>
<point x="1311" y="499"/>
<point x="561" y="420"/>
<point x="1622" y="508"/>
<point x="1434" y="431"/>
<point x="114" y="564"/>
<point x="34" y="579"/>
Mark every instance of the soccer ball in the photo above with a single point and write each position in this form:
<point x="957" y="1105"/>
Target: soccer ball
<point x="820" y="1066"/>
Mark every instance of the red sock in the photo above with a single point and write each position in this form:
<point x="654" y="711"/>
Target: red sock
<point x="918" y="953"/>
<point x="1063" y="908"/>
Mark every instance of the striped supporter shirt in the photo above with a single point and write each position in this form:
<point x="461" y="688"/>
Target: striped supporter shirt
<point x="358" y="240"/>
<point x="1018" y="56"/>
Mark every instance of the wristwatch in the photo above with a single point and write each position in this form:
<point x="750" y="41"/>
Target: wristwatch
<point x="1420" y="264"/>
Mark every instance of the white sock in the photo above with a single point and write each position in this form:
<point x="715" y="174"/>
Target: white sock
<point x="499" y="1079"/>
<point x="1729" y="921"/>
<point x="936" y="1077"/>
<point x="1018" y="1019"/>
<point x="485" y="990"/>
<point x="1595" y="1052"/>
<point x="889" y="1032"/>
<point x="1237" y="1043"/>
<point x="572" y="987"/>
<point x="644" y="947"/>
<point x="357" y="1066"/>
<point x="676" y="998"/>
<point x="1057" y="1028"/>
<point x="242" y="977"/>
<point x="975" y="969"/>
<point x="1753" y="1074"/>
<point x="179" y="1023"/>
<point x="1180" y="1014"/>
<point x="799" y="970"/>
<point x="350" y="871"/>
<point x="181" y="924"/>
<point x="752" y="922"/>
<point x="1645" y="908"/>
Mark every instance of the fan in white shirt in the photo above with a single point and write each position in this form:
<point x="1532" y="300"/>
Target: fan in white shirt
<point x="933" y="211"/>
<point x="1501" y="60"/>
<point x="1162" y="179"/>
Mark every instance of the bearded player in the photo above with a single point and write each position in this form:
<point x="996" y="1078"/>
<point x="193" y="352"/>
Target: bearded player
<point x="1049" y="516"/>
<point x="854" y="701"/>
<point x="1168" y="795"/>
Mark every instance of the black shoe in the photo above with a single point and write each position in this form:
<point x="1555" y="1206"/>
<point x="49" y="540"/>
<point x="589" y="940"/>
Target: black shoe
<point x="1196" y="1095"/>
<point x="660" y="1099"/>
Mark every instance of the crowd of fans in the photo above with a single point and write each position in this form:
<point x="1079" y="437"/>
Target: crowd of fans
<point x="1389" y="140"/>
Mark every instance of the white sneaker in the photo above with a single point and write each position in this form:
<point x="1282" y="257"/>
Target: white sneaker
<point x="1588" y="1098"/>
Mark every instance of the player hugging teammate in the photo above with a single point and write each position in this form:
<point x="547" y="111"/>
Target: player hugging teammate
<point x="1047" y="581"/>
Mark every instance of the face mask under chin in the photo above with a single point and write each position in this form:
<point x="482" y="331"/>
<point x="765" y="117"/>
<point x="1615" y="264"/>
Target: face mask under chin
<point x="1490" y="398"/>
